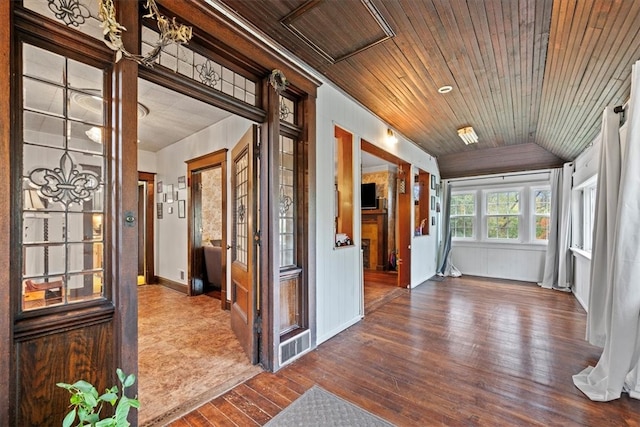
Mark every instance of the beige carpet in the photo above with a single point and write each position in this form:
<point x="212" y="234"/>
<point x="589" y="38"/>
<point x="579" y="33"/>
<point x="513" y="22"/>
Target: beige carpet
<point x="187" y="353"/>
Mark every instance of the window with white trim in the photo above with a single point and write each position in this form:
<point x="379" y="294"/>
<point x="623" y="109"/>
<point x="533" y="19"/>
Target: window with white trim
<point x="503" y="215"/>
<point x="588" y="215"/>
<point x="541" y="214"/>
<point x="462" y="217"/>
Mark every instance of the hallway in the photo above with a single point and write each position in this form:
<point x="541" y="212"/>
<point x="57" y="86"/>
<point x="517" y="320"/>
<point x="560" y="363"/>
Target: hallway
<point x="465" y="351"/>
<point x="187" y="353"/>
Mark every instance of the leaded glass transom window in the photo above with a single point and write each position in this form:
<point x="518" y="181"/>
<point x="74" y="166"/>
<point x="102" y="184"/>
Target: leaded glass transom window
<point x="81" y="15"/>
<point x="287" y="202"/>
<point x="183" y="60"/>
<point x="287" y="110"/>
<point x="62" y="180"/>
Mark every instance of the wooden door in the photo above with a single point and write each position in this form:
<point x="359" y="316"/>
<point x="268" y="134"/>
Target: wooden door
<point x="243" y="242"/>
<point x="405" y="225"/>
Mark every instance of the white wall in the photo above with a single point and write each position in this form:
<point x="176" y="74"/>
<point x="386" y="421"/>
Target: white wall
<point x="339" y="270"/>
<point x="171" y="231"/>
<point x="147" y="161"/>
<point x="503" y="260"/>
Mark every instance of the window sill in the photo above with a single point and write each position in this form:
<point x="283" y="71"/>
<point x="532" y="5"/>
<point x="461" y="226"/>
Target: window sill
<point x="528" y="246"/>
<point x="584" y="254"/>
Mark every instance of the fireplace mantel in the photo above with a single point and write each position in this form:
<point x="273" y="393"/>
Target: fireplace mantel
<point x="374" y="225"/>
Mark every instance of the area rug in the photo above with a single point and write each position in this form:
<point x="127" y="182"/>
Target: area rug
<point x="317" y="407"/>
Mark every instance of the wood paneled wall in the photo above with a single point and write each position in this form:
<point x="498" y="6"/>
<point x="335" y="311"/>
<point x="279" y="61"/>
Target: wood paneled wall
<point x="82" y="353"/>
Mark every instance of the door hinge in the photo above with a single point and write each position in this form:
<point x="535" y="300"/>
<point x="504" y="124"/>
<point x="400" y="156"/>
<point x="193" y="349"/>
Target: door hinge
<point x="257" y="325"/>
<point x="257" y="238"/>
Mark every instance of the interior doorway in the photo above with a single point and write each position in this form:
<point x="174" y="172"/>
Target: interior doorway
<point x="207" y="212"/>
<point x="146" y="260"/>
<point x="185" y="339"/>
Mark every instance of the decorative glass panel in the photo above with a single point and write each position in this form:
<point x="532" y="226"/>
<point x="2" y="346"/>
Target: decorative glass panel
<point x="63" y="176"/>
<point x="81" y="15"/>
<point x="240" y="210"/>
<point x="287" y="112"/>
<point x="181" y="59"/>
<point x="287" y="202"/>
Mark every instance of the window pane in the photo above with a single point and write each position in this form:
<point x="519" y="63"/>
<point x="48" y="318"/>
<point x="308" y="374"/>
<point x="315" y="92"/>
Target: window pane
<point x="543" y="201"/>
<point x="287" y="202"/>
<point x="503" y="203"/>
<point x="462" y="227"/>
<point x="542" y="227"/>
<point x="62" y="176"/>
<point x="503" y="227"/>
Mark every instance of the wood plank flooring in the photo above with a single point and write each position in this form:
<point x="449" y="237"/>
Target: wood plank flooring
<point x="380" y="287"/>
<point x="462" y="352"/>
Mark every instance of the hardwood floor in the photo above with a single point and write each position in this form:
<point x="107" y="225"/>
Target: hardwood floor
<point x="462" y="352"/>
<point x="380" y="287"/>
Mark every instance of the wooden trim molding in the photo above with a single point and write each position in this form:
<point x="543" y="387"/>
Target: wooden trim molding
<point x="180" y="287"/>
<point x="6" y="312"/>
<point x="150" y="179"/>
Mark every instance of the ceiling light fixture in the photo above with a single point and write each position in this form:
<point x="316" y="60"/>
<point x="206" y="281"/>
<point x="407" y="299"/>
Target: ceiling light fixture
<point x="468" y="135"/>
<point x="445" y="89"/>
<point x="391" y="138"/>
<point x="94" y="134"/>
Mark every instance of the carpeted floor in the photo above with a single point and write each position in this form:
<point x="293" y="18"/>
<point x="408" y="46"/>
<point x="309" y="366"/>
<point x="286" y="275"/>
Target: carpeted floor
<point x="187" y="353"/>
<point x="320" y="408"/>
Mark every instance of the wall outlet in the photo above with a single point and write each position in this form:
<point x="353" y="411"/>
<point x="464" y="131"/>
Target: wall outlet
<point x="181" y="274"/>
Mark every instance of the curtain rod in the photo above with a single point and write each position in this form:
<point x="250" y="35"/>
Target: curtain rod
<point x="499" y="175"/>
<point x="620" y="108"/>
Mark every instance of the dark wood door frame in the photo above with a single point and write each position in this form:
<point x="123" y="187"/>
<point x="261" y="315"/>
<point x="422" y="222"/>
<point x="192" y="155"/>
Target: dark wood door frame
<point x="194" y="236"/>
<point x="403" y="217"/>
<point x="149" y="246"/>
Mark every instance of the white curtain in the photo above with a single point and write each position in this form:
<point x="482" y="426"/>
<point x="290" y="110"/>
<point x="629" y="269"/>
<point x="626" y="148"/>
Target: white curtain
<point x="445" y="266"/>
<point x="558" y="261"/>
<point x="618" y="317"/>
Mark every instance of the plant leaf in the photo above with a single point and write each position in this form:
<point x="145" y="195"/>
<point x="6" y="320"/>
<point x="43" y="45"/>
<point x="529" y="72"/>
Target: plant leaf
<point x="109" y="397"/>
<point x="121" y="375"/>
<point x="68" y="419"/>
<point x="128" y="382"/>
<point x="122" y="411"/>
<point x="134" y="403"/>
<point x="64" y="386"/>
<point x="107" y="422"/>
<point x="83" y="386"/>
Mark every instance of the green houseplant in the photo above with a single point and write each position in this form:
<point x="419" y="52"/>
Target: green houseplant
<point x="86" y="404"/>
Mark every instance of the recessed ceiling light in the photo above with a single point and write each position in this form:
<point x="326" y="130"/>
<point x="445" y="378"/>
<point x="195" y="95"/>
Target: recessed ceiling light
<point x="445" y="89"/>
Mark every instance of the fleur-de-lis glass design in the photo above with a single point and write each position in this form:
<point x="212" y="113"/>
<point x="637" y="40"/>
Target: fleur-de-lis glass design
<point x="66" y="184"/>
<point x="284" y="110"/>
<point x="71" y="12"/>
<point x="285" y="201"/>
<point x="241" y="212"/>
<point x="207" y="74"/>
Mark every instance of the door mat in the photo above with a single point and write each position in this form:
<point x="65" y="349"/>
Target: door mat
<point x="317" y="407"/>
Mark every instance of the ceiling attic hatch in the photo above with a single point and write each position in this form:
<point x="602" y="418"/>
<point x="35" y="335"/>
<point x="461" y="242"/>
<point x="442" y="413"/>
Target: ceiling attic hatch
<point x="327" y="27"/>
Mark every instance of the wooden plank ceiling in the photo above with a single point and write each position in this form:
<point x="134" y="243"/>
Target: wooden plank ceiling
<point x="523" y="72"/>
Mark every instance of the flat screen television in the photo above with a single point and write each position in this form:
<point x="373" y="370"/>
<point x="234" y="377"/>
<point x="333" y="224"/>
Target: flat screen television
<point x="368" y="198"/>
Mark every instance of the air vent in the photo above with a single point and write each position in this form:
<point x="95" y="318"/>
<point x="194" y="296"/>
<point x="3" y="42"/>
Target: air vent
<point x="294" y="347"/>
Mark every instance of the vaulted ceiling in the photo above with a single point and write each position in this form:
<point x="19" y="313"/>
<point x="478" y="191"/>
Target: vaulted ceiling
<point x="531" y="76"/>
